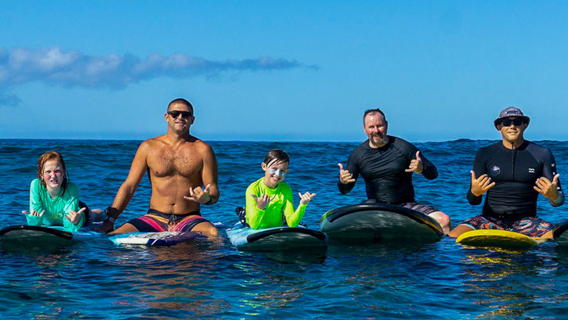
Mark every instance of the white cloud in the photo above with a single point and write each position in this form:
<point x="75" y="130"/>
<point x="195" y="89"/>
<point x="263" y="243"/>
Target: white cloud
<point x="54" y="66"/>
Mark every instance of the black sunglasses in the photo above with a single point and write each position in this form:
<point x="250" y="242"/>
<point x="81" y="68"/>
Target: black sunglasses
<point x="517" y="122"/>
<point x="184" y="114"/>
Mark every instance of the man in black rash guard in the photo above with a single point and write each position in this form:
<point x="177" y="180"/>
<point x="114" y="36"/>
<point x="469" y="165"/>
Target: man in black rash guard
<point x="387" y="164"/>
<point x="512" y="172"/>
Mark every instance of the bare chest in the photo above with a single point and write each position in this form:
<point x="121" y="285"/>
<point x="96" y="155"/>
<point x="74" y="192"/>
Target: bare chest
<point x="168" y="161"/>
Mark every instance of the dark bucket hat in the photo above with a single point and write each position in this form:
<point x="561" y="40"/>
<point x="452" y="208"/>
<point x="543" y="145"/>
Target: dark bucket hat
<point x="511" y="112"/>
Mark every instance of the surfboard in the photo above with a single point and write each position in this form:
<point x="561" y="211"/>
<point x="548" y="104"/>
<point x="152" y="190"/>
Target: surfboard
<point x="276" y="238"/>
<point x="365" y="224"/>
<point x="168" y="238"/>
<point x="497" y="238"/>
<point x="24" y="234"/>
<point x="46" y="235"/>
<point x="560" y="235"/>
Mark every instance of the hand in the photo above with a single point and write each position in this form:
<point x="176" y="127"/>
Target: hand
<point x="263" y="200"/>
<point x="75" y="217"/>
<point x="480" y="185"/>
<point x="416" y="164"/>
<point x="547" y="188"/>
<point x="306" y="197"/>
<point x="34" y="213"/>
<point x="345" y="176"/>
<point x="106" y="227"/>
<point x="199" y="195"/>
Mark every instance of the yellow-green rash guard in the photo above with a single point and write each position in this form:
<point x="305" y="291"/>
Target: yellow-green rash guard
<point x="55" y="208"/>
<point x="271" y="216"/>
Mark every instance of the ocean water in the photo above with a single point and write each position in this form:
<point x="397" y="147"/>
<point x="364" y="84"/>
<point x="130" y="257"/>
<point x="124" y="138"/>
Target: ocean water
<point x="211" y="279"/>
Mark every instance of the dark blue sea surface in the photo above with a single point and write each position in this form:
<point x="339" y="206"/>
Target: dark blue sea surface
<point x="212" y="279"/>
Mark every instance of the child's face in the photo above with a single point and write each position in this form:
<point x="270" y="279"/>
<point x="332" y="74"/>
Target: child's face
<point x="53" y="174"/>
<point x="274" y="173"/>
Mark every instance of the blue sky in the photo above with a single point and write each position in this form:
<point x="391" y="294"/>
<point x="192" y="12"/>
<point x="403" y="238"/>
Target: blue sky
<point x="281" y="70"/>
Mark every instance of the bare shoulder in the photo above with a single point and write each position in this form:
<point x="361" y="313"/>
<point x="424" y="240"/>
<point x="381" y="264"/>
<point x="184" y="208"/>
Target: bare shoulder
<point x="202" y="146"/>
<point x="152" y="144"/>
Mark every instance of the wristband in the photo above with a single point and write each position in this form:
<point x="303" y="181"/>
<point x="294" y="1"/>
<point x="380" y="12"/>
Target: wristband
<point x="558" y="201"/>
<point x="108" y="212"/>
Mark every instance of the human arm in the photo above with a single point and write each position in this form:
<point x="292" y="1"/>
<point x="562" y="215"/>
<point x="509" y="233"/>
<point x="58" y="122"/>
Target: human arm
<point x="35" y="216"/>
<point x="419" y="164"/>
<point x="348" y="177"/>
<point x="209" y="175"/>
<point x="293" y="217"/>
<point x="549" y="184"/>
<point x="256" y="203"/>
<point x="73" y="218"/>
<point x="480" y="182"/>
<point x="128" y="187"/>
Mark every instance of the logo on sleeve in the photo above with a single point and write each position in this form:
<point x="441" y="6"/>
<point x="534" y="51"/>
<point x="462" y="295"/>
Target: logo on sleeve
<point x="494" y="171"/>
<point x="531" y="170"/>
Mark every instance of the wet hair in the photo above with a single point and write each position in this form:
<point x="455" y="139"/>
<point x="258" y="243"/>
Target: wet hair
<point x="376" y="110"/>
<point x="276" y="156"/>
<point x="180" y="101"/>
<point x="48" y="156"/>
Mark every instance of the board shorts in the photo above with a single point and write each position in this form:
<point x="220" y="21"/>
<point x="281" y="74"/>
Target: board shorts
<point x="413" y="205"/>
<point x="425" y="209"/>
<point x="156" y="221"/>
<point x="529" y="226"/>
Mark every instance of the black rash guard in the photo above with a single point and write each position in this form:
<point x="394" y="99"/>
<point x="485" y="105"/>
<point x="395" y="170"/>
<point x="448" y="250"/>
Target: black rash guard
<point x="384" y="170"/>
<point x="514" y="172"/>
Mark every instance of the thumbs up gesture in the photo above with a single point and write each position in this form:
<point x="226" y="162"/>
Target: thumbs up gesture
<point x="416" y="164"/>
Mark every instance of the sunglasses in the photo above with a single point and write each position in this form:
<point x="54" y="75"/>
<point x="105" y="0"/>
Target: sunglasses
<point x="184" y="114"/>
<point x="517" y="122"/>
<point x="278" y="172"/>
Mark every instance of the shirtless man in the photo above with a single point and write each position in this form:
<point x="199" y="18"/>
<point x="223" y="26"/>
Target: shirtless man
<point x="183" y="174"/>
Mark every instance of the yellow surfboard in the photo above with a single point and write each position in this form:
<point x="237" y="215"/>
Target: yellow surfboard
<point x="497" y="238"/>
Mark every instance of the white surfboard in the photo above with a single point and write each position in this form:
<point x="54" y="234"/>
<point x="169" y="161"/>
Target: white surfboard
<point x="167" y="238"/>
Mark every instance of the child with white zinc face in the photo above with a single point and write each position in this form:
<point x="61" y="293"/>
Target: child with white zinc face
<point x="269" y="199"/>
<point x="274" y="174"/>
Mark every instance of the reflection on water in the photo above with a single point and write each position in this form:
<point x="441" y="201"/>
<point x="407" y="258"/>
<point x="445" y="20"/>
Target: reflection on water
<point x="502" y="280"/>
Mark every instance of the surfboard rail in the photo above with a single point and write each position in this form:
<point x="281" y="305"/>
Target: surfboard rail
<point x="497" y="238"/>
<point x="276" y="238"/>
<point x="375" y="222"/>
<point x="25" y="229"/>
<point x="560" y="235"/>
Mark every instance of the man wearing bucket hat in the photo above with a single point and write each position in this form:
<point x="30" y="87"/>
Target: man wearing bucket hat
<point x="512" y="172"/>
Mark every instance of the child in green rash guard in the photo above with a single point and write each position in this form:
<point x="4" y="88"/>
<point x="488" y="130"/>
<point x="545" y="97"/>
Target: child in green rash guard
<point x="54" y="201"/>
<point x="269" y="199"/>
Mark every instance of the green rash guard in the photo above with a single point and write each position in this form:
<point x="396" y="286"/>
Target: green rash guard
<point x="55" y="208"/>
<point x="271" y="216"/>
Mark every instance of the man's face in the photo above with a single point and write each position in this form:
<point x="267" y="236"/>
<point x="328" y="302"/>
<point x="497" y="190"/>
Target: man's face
<point x="512" y="129"/>
<point x="179" y="116"/>
<point x="375" y="128"/>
